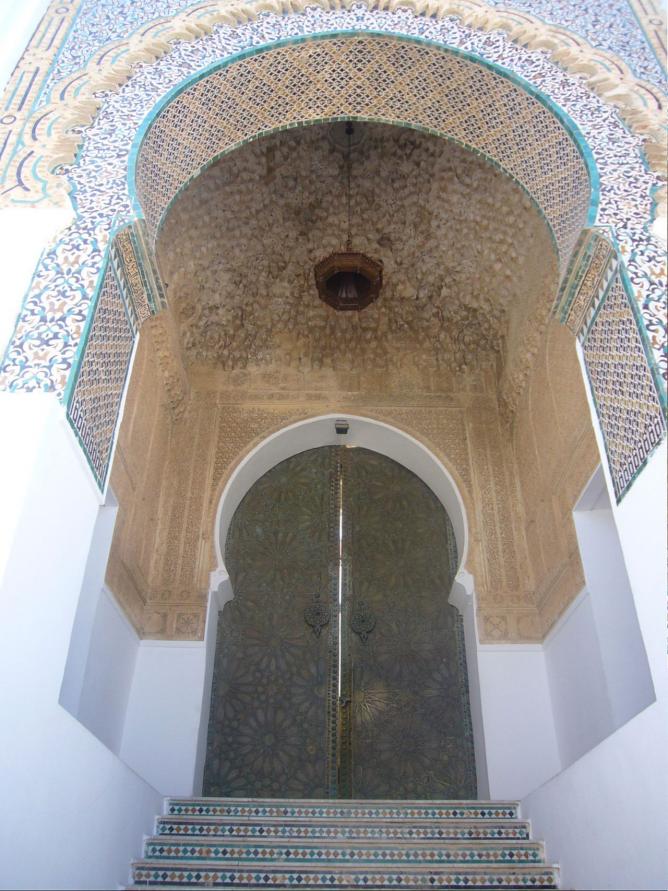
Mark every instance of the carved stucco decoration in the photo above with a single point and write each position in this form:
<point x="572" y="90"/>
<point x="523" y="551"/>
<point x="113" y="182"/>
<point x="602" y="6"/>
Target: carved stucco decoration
<point x="54" y="132"/>
<point x="238" y="248"/>
<point x="518" y="486"/>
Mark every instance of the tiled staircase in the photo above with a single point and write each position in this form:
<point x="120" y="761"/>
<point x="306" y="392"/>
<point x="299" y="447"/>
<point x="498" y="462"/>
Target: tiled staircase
<point x="248" y="843"/>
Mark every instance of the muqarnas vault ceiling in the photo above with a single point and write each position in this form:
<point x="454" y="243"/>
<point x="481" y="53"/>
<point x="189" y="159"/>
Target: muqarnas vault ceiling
<point x="469" y="269"/>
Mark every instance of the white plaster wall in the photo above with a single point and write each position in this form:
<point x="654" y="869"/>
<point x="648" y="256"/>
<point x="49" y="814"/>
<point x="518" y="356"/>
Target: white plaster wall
<point x="462" y="596"/>
<point x="605" y="817"/>
<point x="578" y="689"/>
<point x="109" y="675"/>
<point x="87" y="607"/>
<point x="623" y="656"/>
<point x="74" y="813"/>
<point x="520" y="735"/>
<point x="163" y="716"/>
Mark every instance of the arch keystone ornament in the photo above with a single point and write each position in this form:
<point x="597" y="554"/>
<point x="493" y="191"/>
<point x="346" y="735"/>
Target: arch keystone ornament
<point x="554" y="97"/>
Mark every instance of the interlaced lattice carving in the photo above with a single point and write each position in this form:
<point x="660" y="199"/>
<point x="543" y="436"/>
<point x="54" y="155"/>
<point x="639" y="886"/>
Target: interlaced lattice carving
<point x="382" y="78"/>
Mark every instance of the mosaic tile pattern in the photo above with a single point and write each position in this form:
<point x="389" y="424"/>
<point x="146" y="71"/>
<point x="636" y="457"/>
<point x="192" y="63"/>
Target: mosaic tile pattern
<point x="101" y="174"/>
<point x="627" y="403"/>
<point x="94" y="405"/>
<point x="344" y="843"/>
<point x="45" y="344"/>
<point x="205" y="874"/>
<point x="414" y="830"/>
<point x="328" y="809"/>
<point x="611" y="27"/>
<point x="367" y="77"/>
<point x="490" y="852"/>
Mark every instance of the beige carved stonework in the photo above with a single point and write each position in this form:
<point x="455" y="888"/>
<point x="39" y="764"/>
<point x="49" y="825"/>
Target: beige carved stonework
<point x="457" y="338"/>
<point x="239" y="248"/>
<point x="518" y="486"/>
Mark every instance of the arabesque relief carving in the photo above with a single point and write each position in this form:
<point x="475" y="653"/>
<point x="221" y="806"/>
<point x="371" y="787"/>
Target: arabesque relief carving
<point x="519" y="487"/>
<point x="239" y="248"/>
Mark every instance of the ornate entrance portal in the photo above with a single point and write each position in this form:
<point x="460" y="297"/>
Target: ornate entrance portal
<point x="339" y="667"/>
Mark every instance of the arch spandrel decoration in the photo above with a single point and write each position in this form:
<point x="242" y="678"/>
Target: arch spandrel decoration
<point x="43" y="359"/>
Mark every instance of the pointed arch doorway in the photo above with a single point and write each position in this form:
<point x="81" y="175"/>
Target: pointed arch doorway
<point x="339" y="666"/>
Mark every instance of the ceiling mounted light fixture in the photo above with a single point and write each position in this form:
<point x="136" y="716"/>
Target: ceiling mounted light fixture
<point x="349" y="280"/>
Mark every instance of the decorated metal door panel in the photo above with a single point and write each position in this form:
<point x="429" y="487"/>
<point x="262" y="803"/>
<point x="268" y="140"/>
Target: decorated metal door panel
<point x="339" y="666"/>
<point x="410" y="727"/>
<point x="269" y="722"/>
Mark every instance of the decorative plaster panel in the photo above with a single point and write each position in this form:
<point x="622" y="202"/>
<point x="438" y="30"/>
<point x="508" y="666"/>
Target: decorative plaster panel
<point x="168" y="488"/>
<point x="239" y="248"/>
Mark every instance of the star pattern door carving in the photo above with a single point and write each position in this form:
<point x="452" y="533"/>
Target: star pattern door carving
<point x="339" y="667"/>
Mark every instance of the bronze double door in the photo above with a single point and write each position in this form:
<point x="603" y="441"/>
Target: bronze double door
<point x="339" y="668"/>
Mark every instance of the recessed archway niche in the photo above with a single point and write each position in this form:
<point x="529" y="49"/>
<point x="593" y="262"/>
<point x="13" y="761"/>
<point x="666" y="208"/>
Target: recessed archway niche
<point x="383" y="78"/>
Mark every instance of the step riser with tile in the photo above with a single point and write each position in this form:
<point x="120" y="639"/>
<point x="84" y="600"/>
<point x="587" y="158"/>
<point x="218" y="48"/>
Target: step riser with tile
<point x="249" y="844"/>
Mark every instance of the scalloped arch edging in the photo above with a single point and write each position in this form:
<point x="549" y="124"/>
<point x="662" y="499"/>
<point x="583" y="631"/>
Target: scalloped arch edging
<point x="54" y="135"/>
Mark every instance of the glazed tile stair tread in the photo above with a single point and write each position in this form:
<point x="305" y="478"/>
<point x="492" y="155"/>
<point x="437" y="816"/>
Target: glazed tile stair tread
<point x="372" y="844"/>
<point x="355" y="851"/>
<point x="360" y="810"/>
<point x="323" y="828"/>
<point x="185" y="873"/>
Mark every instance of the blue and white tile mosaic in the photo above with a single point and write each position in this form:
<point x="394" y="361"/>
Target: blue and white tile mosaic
<point x="626" y="400"/>
<point x="611" y="26"/>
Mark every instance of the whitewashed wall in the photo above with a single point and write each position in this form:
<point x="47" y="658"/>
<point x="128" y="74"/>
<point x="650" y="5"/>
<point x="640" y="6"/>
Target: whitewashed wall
<point x="537" y="710"/>
<point x="605" y="817"/>
<point x="110" y="672"/>
<point x="74" y="813"/>
<point x="164" y="714"/>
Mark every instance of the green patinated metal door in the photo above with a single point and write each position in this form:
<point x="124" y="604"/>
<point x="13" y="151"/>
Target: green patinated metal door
<point x="339" y="667"/>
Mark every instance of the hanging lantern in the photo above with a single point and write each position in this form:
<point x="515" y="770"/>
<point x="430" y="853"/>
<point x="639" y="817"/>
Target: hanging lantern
<point x="348" y="280"/>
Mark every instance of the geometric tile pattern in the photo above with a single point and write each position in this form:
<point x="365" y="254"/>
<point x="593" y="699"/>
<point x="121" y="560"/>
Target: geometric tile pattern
<point x="343" y="844"/>
<point x="629" y="408"/>
<point x="94" y="404"/>
<point x="314" y="809"/>
<point x="263" y="875"/>
<point x="453" y="829"/>
<point x="384" y="78"/>
<point x="42" y="352"/>
<point x="332" y="852"/>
